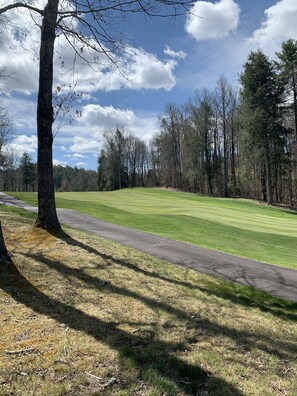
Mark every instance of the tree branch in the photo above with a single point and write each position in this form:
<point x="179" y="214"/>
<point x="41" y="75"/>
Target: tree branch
<point x="20" y="5"/>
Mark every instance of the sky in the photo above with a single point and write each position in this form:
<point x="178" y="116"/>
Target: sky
<point x="165" y="61"/>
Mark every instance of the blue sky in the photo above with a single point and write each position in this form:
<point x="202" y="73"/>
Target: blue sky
<point x="166" y="61"/>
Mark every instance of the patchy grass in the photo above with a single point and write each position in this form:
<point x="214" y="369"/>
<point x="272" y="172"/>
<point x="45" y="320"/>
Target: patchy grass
<point x="83" y="316"/>
<point x="237" y="226"/>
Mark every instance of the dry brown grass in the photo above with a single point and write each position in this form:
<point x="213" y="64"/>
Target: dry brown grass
<point x="80" y="312"/>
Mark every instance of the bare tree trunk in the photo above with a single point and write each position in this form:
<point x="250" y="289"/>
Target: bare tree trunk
<point x="225" y="156"/>
<point x="233" y="172"/>
<point x="268" y="178"/>
<point x="295" y="104"/>
<point x="47" y="215"/>
<point x="4" y="255"/>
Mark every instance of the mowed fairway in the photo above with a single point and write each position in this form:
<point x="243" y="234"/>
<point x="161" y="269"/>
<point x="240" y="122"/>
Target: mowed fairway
<point x="237" y="226"/>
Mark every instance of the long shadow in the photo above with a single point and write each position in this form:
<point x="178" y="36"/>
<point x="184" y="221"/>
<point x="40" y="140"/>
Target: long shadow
<point x="243" y="295"/>
<point x="237" y="294"/>
<point x="97" y="283"/>
<point x="62" y="235"/>
<point x="244" y="339"/>
<point x="153" y="354"/>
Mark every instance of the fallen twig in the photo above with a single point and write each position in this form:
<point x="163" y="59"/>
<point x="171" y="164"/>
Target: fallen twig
<point x="21" y="351"/>
<point x="94" y="376"/>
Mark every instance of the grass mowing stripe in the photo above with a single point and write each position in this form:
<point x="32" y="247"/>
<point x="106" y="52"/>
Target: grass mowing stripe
<point x="237" y="226"/>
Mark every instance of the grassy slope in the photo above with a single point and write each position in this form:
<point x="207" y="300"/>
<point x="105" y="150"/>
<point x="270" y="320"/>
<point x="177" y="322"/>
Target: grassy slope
<point x="235" y="226"/>
<point x="88" y="307"/>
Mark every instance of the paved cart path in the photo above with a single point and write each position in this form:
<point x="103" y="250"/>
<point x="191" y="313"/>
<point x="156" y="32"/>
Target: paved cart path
<point x="275" y="280"/>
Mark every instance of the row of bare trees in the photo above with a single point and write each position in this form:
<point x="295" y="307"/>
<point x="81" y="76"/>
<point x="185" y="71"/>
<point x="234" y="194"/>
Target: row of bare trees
<point x="196" y="147"/>
<point x="123" y="162"/>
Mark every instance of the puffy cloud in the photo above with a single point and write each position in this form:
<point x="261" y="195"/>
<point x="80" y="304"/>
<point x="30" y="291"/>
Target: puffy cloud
<point x="85" y="145"/>
<point x="78" y="155"/>
<point x="279" y="25"/>
<point x="106" y="116"/>
<point x="174" y="54"/>
<point x="19" y="51"/>
<point x="134" y="69"/>
<point x="22" y="111"/>
<point x="87" y="132"/>
<point x="81" y="164"/>
<point x="21" y="144"/>
<point x="208" y="20"/>
<point x="147" y="71"/>
<point x="61" y="163"/>
<point x="97" y="119"/>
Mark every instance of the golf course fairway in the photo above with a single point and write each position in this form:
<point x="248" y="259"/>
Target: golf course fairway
<point x="237" y="226"/>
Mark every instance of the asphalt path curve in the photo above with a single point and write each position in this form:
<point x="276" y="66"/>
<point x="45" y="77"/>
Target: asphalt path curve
<point x="278" y="281"/>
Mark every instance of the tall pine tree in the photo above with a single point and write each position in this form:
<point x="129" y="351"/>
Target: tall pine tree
<point x="262" y="96"/>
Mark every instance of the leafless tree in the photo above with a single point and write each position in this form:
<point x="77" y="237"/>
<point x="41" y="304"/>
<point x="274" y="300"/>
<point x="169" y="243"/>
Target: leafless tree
<point x="6" y="127"/>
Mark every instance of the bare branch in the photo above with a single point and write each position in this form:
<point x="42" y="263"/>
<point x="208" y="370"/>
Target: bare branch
<point x="20" y="5"/>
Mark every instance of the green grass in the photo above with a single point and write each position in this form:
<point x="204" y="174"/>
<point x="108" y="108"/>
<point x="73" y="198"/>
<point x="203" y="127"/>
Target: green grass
<point x="91" y="310"/>
<point x="237" y="226"/>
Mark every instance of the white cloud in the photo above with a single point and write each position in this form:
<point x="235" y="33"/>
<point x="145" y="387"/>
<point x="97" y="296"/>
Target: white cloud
<point x="174" y="54"/>
<point x="22" y="112"/>
<point x="21" y="144"/>
<point x="280" y="24"/>
<point x="81" y="164"/>
<point x="147" y="71"/>
<point x="106" y="116"/>
<point x="212" y="20"/>
<point x="138" y="69"/>
<point x="97" y="119"/>
<point x="78" y="155"/>
<point x="85" y="145"/>
<point x="19" y="52"/>
<point x="61" y="163"/>
<point x="87" y="132"/>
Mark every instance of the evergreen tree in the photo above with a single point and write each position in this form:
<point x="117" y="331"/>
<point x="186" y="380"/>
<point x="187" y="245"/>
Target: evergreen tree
<point x="28" y="172"/>
<point x="287" y="65"/>
<point x="262" y="96"/>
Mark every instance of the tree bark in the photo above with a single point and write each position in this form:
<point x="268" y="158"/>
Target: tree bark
<point x="295" y="103"/>
<point x="225" y="153"/>
<point x="47" y="215"/>
<point x="4" y="255"/>
<point x="233" y="172"/>
<point x="269" y="189"/>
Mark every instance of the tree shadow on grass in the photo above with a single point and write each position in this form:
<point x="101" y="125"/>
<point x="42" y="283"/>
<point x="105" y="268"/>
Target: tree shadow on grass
<point x="103" y="285"/>
<point x="250" y="297"/>
<point x="244" y="339"/>
<point x="237" y="294"/>
<point x="154" y="359"/>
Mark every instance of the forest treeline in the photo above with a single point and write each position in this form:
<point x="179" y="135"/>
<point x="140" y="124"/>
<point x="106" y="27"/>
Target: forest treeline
<point x="23" y="176"/>
<point x="222" y="142"/>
